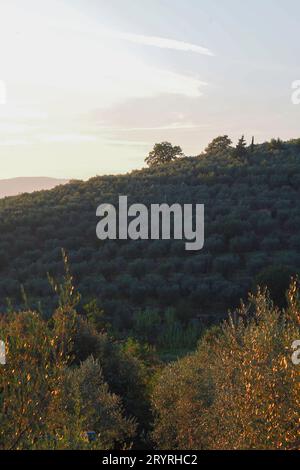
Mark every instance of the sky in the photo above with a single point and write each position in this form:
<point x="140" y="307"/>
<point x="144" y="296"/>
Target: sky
<point x="89" y="86"/>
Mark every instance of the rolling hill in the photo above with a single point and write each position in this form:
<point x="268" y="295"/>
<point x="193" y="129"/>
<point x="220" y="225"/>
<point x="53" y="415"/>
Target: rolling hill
<point x="15" y="186"/>
<point x="251" y="235"/>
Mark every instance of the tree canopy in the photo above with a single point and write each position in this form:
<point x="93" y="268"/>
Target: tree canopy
<point x="163" y="153"/>
<point x="219" y="145"/>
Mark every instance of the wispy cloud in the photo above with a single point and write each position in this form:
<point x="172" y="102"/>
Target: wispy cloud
<point x="76" y="138"/>
<point x="94" y="29"/>
<point x="35" y="139"/>
<point x="172" y="126"/>
<point x="129" y="143"/>
<point x="163" y="43"/>
<point x="143" y="39"/>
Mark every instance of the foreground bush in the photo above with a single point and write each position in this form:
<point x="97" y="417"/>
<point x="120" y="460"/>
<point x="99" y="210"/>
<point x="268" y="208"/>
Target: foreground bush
<point x="30" y="382"/>
<point x="240" y="389"/>
<point x="91" y="406"/>
<point x="47" y="398"/>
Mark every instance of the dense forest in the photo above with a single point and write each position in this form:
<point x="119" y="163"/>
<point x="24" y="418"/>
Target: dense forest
<point x="139" y="330"/>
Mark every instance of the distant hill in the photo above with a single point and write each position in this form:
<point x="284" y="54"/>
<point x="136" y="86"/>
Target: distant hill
<point x="252" y="234"/>
<point x="15" y="186"/>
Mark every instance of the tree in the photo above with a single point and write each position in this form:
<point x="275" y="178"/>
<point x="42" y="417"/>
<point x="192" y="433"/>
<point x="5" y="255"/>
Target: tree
<point x="241" y="148"/>
<point x="220" y="145"/>
<point x="240" y="389"/>
<point x="295" y="143"/>
<point x="252" y="146"/>
<point x="38" y="354"/>
<point x="91" y="406"/>
<point x="163" y="153"/>
<point x="276" y="144"/>
<point x="276" y="278"/>
<point x="30" y="386"/>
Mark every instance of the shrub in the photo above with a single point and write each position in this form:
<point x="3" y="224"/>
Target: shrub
<point x="240" y="389"/>
<point x="91" y="407"/>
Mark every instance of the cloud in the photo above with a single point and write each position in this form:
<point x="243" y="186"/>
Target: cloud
<point x="76" y="138"/>
<point x="92" y="65"/>
<point x="171" y="126"/>
<point x="130" y="143"/>
<point x="145" y="40"/>
<point x="33" y="138"/>
<point x="163" y="43"/>
<point x="161" y="112"/>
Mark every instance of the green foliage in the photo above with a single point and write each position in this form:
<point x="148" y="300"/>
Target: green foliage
<point x="91" y="407"/>
<point x="219" y="146"/>
<point x="147" y="324"/>
<point x="163" y="153"/>
<point x="48" y="400"/>
<point x="240" y="389"/>
<point x="174" y="336"/>
<point x="30" y="382"/>
<point x="240" y="150"/>
<point x="96" y="315"/>
<point x="68" y="297"/>
<point x="277" y="279"/>
<point x="276" y="144"/>
<point x="123" y="370"/>
<point x="252" y="221"/>
<point x="166" y="330"/>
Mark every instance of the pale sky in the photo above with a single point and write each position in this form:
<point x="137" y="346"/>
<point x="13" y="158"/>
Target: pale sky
<point x="92" y="85"/>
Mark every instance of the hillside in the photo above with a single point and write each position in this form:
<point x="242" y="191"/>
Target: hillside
<point x="15" y="186"/>
<point x="252" y="234"/>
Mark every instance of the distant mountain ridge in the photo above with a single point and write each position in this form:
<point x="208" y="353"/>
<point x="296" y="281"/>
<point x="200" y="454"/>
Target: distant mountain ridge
<point x="15" y="186"/>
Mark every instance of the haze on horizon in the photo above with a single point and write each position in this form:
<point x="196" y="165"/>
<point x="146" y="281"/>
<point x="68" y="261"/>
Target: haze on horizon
<point x="91" y="86"/>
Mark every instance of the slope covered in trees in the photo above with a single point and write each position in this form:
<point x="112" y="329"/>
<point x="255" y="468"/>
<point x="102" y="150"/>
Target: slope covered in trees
<point x="252" y="225"/>
<point x="252" y="217"/>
